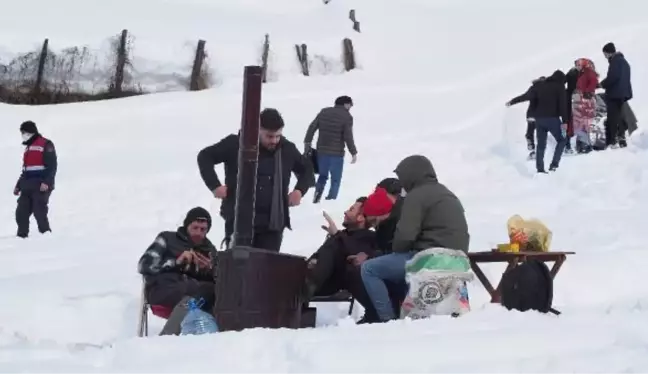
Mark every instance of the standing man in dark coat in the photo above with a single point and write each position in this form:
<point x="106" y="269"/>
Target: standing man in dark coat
<point x="618" y="90"/>
<point x="335" y="126"/>
<point x="278" y="157"/>
<point x="36" y="182"/>
<point x="530" y="115"/>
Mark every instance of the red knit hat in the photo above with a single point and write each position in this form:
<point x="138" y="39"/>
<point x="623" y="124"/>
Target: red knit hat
<point x="378" y="203"/>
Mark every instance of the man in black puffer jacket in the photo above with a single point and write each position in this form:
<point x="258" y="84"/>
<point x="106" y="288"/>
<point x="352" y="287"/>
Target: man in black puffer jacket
<point x="530" y="114"/>
<point x="179" y="263"/>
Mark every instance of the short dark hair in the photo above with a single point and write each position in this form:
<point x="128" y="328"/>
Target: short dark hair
<point x="343" y="100"/>
<point x="271" y="119"/>
<point x="392" y="185"/>
<point x="361" y="199"/>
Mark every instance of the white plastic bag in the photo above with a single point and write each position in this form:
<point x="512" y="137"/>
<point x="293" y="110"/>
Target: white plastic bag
<point x="437" y="280"/>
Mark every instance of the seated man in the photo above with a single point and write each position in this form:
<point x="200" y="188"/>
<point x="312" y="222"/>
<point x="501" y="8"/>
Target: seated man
<point x="385" y="223"/>
<point x="431" y="216"/>
<point x="178" y="263"/>
<point x="331" y="268"/>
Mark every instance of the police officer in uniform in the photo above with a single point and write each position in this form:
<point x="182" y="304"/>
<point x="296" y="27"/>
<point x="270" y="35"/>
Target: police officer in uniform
<point x="36" y="182"/>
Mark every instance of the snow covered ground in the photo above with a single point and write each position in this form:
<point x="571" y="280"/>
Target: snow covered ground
<point x="434" y="79"/>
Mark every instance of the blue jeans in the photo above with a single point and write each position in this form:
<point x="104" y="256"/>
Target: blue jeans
<point x="543" y="127"/>
<point x="375" y="272"/>
<point x="332" y="165"/>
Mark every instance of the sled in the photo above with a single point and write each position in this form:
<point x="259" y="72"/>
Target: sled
<point x="157" y="310"/>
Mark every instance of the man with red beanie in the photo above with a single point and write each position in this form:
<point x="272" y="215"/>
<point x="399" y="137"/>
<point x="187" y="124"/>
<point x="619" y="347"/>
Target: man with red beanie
<point x="432" y="216"/>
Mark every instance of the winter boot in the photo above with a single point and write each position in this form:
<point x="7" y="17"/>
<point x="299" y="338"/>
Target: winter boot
<point x="621" y="140"/>
<point x="317" y="197"/>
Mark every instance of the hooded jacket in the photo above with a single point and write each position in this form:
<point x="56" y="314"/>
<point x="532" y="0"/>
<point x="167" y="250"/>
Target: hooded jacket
<point x="548" y="97"/>
<point x="431" y="216"/>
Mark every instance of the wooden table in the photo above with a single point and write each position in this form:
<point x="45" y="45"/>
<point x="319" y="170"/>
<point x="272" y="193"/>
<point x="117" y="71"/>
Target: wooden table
<point x="513" y="259"/>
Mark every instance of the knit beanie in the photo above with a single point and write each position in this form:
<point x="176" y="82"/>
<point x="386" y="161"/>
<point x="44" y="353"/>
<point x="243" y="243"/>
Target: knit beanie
<point x="378" y="203"/>
<point x="609" y="48"/>
<point x="29" y="127"/>
<point x="392" y="185"/>
<point x="197" y="214"/>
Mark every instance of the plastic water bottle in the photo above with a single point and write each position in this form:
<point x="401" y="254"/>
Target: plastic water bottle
<point x="197" y="321"/>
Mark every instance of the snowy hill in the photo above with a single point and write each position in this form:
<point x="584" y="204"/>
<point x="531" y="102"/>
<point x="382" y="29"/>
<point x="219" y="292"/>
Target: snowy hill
<point x="434" y="78"/>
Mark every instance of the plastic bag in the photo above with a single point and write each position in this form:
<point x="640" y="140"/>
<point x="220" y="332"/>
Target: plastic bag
<point x="437" y="280"/>
<point x="531" y="235"/>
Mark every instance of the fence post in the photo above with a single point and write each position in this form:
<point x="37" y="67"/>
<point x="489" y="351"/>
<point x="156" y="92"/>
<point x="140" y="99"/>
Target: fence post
<point x="121" y="62"/>
<point x="302" y="56"/>
<point x="194" y="85"/>
<point x="264" y="59"/>
<point x="349" y="54"/>
<point x="352" y="17"/>
<point x="41" y="68"/>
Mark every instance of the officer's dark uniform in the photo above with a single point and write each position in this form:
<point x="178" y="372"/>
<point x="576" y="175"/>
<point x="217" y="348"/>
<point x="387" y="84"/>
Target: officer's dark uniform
<point x="36" y="182"/>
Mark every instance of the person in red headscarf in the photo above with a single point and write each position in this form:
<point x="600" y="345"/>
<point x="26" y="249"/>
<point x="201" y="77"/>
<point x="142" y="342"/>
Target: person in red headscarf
<point x="584" y="103"/>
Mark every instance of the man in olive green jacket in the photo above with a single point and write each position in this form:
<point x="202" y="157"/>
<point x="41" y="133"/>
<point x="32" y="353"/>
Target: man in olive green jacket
<point x="431" y="216"/>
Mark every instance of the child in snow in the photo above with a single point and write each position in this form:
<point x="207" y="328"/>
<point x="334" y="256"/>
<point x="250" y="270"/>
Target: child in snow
<point x="584" y="104"/>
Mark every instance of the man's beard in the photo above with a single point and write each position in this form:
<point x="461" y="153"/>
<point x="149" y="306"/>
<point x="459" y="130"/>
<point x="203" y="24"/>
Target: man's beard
<point x="351" y="225"/>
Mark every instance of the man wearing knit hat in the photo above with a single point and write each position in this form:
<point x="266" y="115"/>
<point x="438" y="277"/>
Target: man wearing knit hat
<point x="179" y="263"/>
<point x="36" y="182"/>
<point x="432" y="216"/>
<point x="618" y="90"/>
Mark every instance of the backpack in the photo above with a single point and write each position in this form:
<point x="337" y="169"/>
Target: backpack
<point x="528" y="286"/>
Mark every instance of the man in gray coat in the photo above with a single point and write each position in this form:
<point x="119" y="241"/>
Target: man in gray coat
<point x="335" y="126"/>
<point x="431" y="216"/>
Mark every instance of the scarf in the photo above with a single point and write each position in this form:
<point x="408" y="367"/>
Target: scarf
<point x="277" y="222"/>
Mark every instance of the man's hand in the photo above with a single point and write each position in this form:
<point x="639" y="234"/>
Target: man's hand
<point x="43" y="187"/>
<point x="220" y="192"/>
<point x="358" y="259"/>
<point x="201" y="261"/>
<point x="354" y="158"/>
<point x="507" y="104"/>
<point x="330" y="226"/>
<point x="294" y="198"/>
<point x="311" y="264"/>
<point x="16" y="191"/>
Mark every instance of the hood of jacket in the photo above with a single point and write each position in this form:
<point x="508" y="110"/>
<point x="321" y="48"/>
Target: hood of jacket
<point x="414" y="171"/>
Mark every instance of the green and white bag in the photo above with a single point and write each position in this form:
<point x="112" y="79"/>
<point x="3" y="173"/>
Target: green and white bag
<point x="437" y="280"/>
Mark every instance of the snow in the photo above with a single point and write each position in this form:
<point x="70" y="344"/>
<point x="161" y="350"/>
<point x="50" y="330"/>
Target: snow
<point x="433" y="80"/>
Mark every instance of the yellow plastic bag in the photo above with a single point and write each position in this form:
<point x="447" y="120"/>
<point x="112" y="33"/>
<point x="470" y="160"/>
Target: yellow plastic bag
<point x="531" y="235"/>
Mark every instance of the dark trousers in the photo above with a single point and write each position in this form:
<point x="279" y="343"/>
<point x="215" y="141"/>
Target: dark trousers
<point x="333" y="166"/>
<point x="613" y="126"/>
<point x="32" y="201"/>
<point x="333" y="273"/>
<point x="544" y="126"/>
<point x="530" y="132"/>
<point x="263" y="238"/>
<point x="169" y="288"/>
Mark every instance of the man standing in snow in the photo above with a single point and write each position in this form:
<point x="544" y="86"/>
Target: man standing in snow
<point x="335" y="126"/>
<point x="618" y="90"/>
<point x="530" y="116"/>
<point x="36" y="182"/>
<point x="278" y="157"/>
<point x="431" y="216"/>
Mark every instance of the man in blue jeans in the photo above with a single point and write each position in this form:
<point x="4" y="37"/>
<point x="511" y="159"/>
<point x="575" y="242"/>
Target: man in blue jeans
<point x="335" y="126"/>
<point x="559" y="132"/>
<point x="431" y="216"/>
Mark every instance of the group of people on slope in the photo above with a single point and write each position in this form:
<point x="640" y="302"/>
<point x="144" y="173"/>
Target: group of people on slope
<point x="367" y="257"/>
<point x="570" y="111"/>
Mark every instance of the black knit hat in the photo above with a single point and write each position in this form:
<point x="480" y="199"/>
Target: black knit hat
<point x="392" y="185"/>
<point x="198" y="214"/>
<point x="29" y="127"/>
<point x="609" y="48"/>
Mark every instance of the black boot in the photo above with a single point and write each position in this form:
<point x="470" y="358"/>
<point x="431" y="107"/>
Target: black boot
<point x="317" y="197"/>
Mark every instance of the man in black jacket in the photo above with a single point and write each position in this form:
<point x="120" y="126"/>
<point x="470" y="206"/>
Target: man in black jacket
<point x="36" y="181"/>
<point x="550" y="103"/>
<point x="278" y="157"/>
<point x="179" y="263"/>
<point x="530" y="116"/>
<point x="618" y="90"/>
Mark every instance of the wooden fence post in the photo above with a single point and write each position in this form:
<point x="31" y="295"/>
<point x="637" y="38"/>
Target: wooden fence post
<point x="195" y="85"/>
<point x="264" y="59"/>
<point x="302" y="56"/>
<point x="121" y="62"/>
<point x="352" y="17"/>
<point x="349" y="54"/>
<point x="41" y="68"/>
